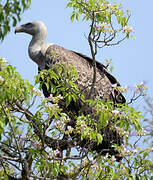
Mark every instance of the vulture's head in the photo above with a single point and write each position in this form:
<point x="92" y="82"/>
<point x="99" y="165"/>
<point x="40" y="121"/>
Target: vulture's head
<point x="34" y="28"/>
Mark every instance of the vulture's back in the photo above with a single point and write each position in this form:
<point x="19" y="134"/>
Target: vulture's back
<point x="103" y="86"/>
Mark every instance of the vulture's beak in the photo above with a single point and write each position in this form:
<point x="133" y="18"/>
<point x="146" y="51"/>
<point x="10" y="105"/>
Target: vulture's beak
<point x="18" y="29"/>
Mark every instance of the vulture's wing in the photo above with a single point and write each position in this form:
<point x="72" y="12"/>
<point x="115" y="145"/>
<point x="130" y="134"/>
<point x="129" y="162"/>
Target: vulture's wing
<point x="100" y="66"/>
<point x="118" y="95"/>
<point x="84" y="66"/>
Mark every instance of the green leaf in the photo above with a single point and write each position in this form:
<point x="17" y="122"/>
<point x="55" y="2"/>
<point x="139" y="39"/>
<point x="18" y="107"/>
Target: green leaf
<point x="145" y="154"/>
<point x="68" y="99"/>
<point x="77" y="17"/>
<point x="99" y="138"/>
<point x="72" y="17"/>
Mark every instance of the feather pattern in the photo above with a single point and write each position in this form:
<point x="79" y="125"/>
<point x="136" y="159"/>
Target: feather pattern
<point x="84" y="66"/>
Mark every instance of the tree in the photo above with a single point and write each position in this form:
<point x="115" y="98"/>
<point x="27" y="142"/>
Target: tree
<point x="32" y="128"/>
<point x="10" y="12"/>
<point x="149" y="121"/>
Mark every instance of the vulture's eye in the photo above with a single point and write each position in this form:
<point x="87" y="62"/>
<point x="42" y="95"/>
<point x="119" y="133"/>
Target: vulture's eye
<point x="28" y="25"/>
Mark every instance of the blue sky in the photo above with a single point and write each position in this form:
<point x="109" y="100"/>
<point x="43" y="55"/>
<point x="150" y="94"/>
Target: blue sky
<point x="132" y="59"/>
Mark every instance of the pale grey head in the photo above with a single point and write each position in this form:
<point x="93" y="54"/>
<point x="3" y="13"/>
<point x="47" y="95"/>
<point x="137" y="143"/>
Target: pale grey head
<point x="34" y="28"/>
<point x="37" y="47"/>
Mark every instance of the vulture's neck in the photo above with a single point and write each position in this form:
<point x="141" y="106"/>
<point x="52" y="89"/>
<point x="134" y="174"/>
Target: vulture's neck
<point x="35" y="49"/>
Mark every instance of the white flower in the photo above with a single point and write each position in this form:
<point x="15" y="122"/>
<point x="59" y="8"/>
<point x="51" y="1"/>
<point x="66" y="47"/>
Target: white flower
<point x="50" y="97"/>
<point x="53" y="107"/>
<point x="4" y="60"/>
<point x="142" y="83"/>
<point x="70" y="129"/>
<point x="102" y="26"/>
<point x="1" y="79"/>
<point x="123" y="88"/>
<point x="137" y="87"/>
<point x="55" y="99"/>
<point x="142" y="132"/>
<point x="60" y="96"/>
<point x="125" y="150"/>
<point x="105" y="158"/>
<point x="127" y="29"/>
<point x="135" y="151"/>
<point x="34" y="90"/>
<point x="113" y="158"/>
<point x="126" y="133"/>
<point x="115" y="112"/>
<point x="37" y="92"/>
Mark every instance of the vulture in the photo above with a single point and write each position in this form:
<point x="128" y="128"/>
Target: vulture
<point x="45" y="55"/>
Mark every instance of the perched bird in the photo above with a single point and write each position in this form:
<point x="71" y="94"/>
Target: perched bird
<point x="46" y="54"/>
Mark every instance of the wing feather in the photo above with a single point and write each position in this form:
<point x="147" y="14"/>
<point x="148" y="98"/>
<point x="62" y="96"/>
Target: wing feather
<point x="84" y="66"/>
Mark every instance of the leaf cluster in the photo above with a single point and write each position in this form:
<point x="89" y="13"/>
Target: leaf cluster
<point x="10" y="14"/>
<point x="63" y="79"/>
<point x="35" y="138"/>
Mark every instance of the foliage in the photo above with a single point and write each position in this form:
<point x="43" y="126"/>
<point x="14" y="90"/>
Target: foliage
<point x="108" y="24"/>
<point x="64" y="78"/>
<point x="32" y="138"/>
<point x="10" y="14"/>
<point x="108" y="21"/>
<point x="149" y="121"/>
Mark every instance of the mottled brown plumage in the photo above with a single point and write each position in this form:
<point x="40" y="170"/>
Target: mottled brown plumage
<point x="84" y="66"/>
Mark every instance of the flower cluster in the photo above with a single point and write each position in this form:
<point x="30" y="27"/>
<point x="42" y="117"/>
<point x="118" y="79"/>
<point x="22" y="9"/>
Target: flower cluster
<point x="120" y="88"/>
<point x="54" y="107"/>
<point x="142" y="132"/>
<point x="65" y="118"/>
<point x="4" y="60"/>
<point x="59" y="125"/>
<point x="37" y="92"/>
<point x="140" y="87"/>
<point x="124" y="150"/>
<point x="104" y="27"/>
<point x="122" y="131"/>
<point x="123" y="89"/>
<point x="135" y="151"/>
<point x="113" y="8"/>
<point x="3" y="63"/>
<point x="115" y="112"/>
<point x="55" y="99"/>
<point x="127" y="29"/>
<point x="81" y="124"/>
<point x="113" y="158"/>
<point x="69" y="130"/>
